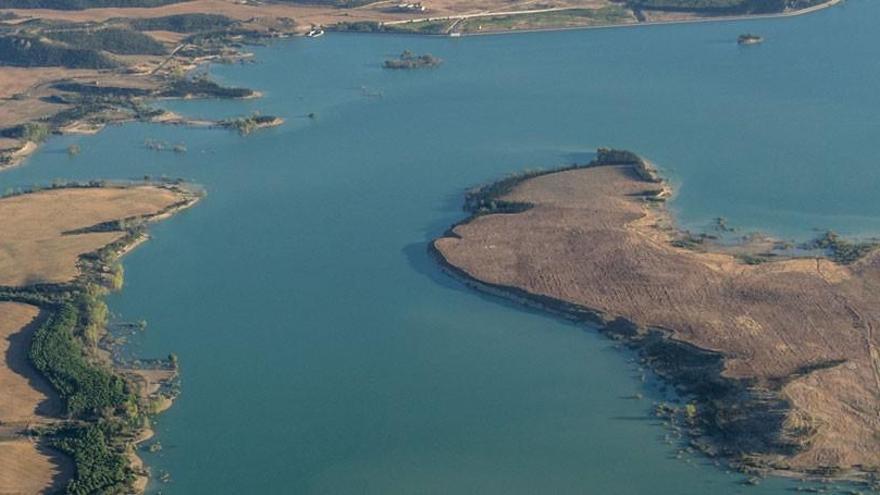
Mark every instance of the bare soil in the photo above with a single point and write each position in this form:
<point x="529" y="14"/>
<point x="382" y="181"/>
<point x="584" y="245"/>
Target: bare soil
<point x="802" y="331"/>
<point x="27" y="396"/>
<point x="31" y="468"/>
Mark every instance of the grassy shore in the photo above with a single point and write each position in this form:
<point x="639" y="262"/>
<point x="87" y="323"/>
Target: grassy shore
<point x="765" y="354"/>
<point x="103" y="410"/>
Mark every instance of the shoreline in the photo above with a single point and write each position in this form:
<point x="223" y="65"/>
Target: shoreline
<point x="94" y="270"/>
<point x="720" y="19"/>
<point x="15" y="158"/>
<point x="661" y="347"/>
<point x="698" y="20"/>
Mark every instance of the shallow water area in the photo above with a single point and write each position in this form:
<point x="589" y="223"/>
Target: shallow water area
<point x="323" y="351"/>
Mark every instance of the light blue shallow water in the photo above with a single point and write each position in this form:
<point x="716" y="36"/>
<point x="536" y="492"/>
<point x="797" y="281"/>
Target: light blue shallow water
<point x="323" y="351"/>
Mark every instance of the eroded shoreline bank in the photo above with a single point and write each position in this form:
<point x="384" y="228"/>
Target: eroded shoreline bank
<point x="766" y="409"/>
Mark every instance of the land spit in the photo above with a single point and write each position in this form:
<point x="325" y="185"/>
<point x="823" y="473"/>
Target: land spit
<point x="779" y="358"/>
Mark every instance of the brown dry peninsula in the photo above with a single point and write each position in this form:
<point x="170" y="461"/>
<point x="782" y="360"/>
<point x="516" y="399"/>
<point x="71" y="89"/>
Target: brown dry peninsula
<point x="779" y="358"/>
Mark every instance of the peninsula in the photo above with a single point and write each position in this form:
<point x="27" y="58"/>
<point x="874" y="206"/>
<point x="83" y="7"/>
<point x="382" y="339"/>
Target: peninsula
<point x="777" y="355"/>
<point x="75" y="415"/>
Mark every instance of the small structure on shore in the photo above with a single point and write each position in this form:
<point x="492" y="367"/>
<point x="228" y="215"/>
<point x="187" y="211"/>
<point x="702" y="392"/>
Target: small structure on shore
<point x="749" y="39"/>
<point x="409" y="60"/>
<point x="409" y="7"/>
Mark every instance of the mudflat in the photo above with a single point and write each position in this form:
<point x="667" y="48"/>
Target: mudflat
<point x="797" y="333"/>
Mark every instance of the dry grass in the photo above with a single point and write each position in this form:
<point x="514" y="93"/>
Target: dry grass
<point x="307" y="14"/>
<point x="15" y="80"/>
<point x="26" y="394"/>
<point x="33" y="249"/>
<point x="27" y="468"/>
<point x="591" y="241"/>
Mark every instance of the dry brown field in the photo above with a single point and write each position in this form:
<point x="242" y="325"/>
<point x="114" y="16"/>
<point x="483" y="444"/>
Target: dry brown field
<point x="803" y="329"/>
<point x="27" y="468"/>
<point x="306" y="14"/>
<point x="27" y="396"/>
<point x="34" y="248"/>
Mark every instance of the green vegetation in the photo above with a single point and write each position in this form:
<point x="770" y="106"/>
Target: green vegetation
<point x="333" y="3"/>
<point x="87" y="389"/>
<point x="749" y="39"/>
<point x="841" y="250"/>
<point x="358" y="27"/>
<point x="561" y="18"/>
<point x="31" y="52"/>
<point x="82" y="4"/>
<point x="95" y="90"/>
<point x="31" y="131"/>
<point x="113" y="40"/>
<point x="100" y="467"/>
<point x="182" y="23"/>
<point x="409" y="60"/>
<point x="247" y="125"/>
<point x="202" y="87"/>
<point x="419" y="27"/>
<point x="611" y="156"/>
<point x="422" y="27"/>
<point x="726" y="7"/>
<point x="104" y="413"/>
<point x="486" y="199"/>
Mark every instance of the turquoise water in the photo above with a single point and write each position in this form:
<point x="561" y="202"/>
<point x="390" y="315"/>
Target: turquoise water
<point x="323" y="351"/>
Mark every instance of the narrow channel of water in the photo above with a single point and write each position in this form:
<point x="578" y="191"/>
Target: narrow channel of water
<point x="323" y="351"/>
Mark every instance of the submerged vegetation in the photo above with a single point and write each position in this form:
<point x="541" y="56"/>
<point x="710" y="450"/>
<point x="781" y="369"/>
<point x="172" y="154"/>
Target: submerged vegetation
<point x="841" y="250"/>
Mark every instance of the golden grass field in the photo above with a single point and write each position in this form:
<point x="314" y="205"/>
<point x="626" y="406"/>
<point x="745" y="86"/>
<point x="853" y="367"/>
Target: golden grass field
<point x="801" y="329"/>
<point x="26" y="394"/>
<point x="27" y="468"/>
<point x="34" y="249"/>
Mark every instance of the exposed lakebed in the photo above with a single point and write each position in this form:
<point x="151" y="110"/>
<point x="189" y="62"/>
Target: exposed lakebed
<point x="322" y="350"/>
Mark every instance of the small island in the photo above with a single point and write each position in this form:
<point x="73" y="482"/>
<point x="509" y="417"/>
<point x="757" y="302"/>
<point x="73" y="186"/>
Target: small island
<point x="749" y="39"/>
<point x="774" y="353"/>
<point x="409" y="60"/>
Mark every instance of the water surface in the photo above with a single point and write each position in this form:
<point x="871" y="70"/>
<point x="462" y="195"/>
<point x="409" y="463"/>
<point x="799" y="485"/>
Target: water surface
<point x="323" y="351"/>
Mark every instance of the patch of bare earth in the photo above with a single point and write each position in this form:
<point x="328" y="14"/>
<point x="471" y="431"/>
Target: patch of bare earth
<point x="802" y="330"/>
<point x="35" y="246"/>
<point x="27" y="468"/>
<point x="27" y="396"/>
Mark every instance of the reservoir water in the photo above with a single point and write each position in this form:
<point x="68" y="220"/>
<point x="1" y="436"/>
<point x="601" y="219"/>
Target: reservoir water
<point x="322" y="350"/>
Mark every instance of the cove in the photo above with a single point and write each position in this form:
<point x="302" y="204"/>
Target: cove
<point x="323" y="351"/>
